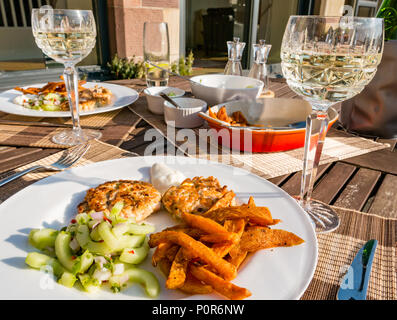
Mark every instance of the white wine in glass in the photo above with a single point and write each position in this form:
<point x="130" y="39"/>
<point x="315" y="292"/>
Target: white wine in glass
<point x="66" y="47"/>
<point x="327" y="60"/>
<point x="67" y="36"/>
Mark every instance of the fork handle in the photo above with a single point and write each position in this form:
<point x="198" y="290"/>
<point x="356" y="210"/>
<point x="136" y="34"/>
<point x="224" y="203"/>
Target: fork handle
<point x="18" y="175"/>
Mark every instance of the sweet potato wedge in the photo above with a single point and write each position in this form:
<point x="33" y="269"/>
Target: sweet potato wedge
<point x="193" y="232"/>
<point x="177" y="275"/>
<point x="191" y="285"/>
<point x="256" y="238"/>
<point x="251" y="202"/>
<point x="194" y="286"/>
<point x="236" y="257"/>
<point x="230" y="238"/>
<point x="255" y="215"/>
<point x="212" y="113"/>
<point x="205" y="224"/>
<point x="236" y="226"/>
<point x="161" y="252"/>
<point x="195" y="249"/>
<point x="225" y="288"/>
<point x="223" y="202"/>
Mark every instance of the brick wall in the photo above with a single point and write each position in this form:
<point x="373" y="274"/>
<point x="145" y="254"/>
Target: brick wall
<point x="161" y="3"/>
<point x="126" y="20"/>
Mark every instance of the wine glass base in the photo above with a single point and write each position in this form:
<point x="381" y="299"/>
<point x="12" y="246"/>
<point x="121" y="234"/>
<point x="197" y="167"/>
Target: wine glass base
<point x="324" y="218"/>
<point x="75" y="137"/>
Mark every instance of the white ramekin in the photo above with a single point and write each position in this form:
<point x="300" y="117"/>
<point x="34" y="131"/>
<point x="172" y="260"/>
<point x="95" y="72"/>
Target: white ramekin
<point x="187" y="116"/>
<point x="155" y="102"/>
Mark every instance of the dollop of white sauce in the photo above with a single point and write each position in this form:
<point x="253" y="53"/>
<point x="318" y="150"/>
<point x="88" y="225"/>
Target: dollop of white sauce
<point x="163" y="177"/>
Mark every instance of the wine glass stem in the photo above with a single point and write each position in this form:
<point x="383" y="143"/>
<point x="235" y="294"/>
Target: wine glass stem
<point x="72" y="86"/>
<point x="316" y="130"/>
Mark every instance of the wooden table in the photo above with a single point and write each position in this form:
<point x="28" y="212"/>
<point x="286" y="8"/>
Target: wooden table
<point x="365" y="183"/>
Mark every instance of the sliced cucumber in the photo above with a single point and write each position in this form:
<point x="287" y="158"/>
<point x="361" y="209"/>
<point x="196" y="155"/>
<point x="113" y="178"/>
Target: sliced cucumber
<point x="105" y="231"/>
<point x="50" y="107"/>
<point x="83" y="263"/>
<point x="94" y="235"/>
<point x="135" y="255"/>
<point x="63" y="251"/>
<point x="67" y="279"/>
<point x="132" y="228"/>
<point x="83" y="218"/>
<point x="89" y="284"/>
<point x="38" y="260"/>
<point x="120" y="229"/>
<point x="42" y="238"/>
<point x="128" y="241"/>
<point x="83" y="238"/>
<point x="137" y="275"/>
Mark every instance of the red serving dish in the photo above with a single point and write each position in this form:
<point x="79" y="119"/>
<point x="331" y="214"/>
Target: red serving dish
<point x="275" y="114"/>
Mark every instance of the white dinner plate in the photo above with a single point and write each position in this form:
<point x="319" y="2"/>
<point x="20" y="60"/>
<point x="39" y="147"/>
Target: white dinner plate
<point x="122" y="97"/>
<point x="279" y="273"/>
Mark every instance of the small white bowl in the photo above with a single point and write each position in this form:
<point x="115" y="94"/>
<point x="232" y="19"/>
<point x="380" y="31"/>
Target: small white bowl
<point x="155" y="102"/>
<point x="187" y="116"/>
<point x="220" y="88"/>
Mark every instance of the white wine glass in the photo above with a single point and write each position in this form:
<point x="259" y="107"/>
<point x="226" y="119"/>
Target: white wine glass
<point x="327" y="60"/>
<point x="156" y="49"/>
<point x="67" y="36"/>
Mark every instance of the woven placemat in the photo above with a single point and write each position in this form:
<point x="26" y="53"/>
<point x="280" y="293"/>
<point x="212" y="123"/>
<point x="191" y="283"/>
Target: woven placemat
<point x="336" y="250"/>
<point x="40" y="136"/>
<point x="96" y="120"/>
<point x="338" y="145"/>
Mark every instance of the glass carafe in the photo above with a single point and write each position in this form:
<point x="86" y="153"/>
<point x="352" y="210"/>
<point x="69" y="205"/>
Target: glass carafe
<point x="235" y="52"/>
<point x="259" y="68"/>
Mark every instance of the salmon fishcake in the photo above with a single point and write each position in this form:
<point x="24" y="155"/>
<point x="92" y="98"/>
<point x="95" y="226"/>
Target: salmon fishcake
<point x="140" y="198"/>
<point x="195" y="196"/>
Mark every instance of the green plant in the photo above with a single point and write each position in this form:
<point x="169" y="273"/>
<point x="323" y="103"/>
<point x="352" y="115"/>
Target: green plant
<point x="388" y="11"/>
<point x="124" y="68"/>
<point x="184" y="66"/>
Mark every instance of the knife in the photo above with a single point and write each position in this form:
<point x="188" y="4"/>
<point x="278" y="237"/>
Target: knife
<point x="354" y="284"/>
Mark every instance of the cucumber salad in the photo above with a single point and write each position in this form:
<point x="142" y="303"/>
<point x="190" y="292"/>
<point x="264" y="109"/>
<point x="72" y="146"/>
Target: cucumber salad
<point x="96" y="249"/>
<point x="44" y="102"/>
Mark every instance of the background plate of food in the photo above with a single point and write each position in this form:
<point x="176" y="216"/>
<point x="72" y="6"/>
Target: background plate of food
<point x="50" y="99"/>
<point x="186" y="202"/>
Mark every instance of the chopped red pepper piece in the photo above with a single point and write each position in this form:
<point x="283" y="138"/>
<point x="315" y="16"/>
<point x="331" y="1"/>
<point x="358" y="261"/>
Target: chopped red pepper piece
<point x="132" y="252"/>
<point x="106" y="219"/>
<point x="73" y="221"/>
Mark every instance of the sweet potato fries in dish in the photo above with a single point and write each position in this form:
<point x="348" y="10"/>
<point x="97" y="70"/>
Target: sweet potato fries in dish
<point x="203" y="253"/>
<point x="237" y="119"/>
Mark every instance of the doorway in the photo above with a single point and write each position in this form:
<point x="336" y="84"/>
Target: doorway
<point x="210" y="24"/>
